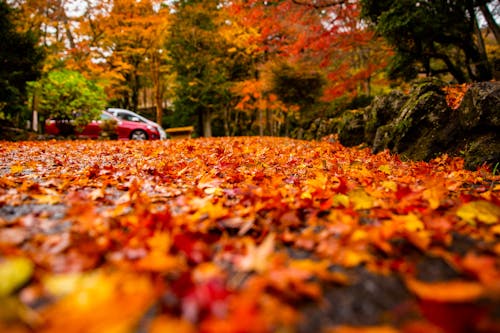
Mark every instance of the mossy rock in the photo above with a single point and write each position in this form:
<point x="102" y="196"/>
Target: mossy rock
<point x="484" y="149"/>
<point x="382" y="111"/>
<point x="415" y="131"/>
<point x="352" y="128"/>
<point x="480" y="106"/>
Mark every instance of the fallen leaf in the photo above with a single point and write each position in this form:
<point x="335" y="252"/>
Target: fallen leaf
<point x="14" y="272"/>
<point x="446" y="291"/>
<point x="482" y="211"/>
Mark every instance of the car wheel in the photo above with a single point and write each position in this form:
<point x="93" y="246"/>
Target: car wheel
<point x="138" y="135"/>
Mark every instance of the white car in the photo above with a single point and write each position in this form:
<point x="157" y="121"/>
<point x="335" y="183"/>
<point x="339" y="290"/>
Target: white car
<point x="132" y="116"/>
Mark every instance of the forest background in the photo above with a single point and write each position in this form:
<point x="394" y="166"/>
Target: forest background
<point x="235" y="67"/>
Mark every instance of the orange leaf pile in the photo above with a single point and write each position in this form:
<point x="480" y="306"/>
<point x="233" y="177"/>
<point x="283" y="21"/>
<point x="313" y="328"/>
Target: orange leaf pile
<point x="455" y="94"/>
<point x="252" y="234"/>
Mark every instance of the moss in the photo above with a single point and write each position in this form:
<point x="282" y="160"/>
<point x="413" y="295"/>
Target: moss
<point x="484" y="149"/>
<point x="352" y="129"/>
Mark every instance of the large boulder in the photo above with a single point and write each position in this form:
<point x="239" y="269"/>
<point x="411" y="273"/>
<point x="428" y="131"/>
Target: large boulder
<point x="423" y="126"/>
<point x="480" y="107"/>
<point x="420" y="125"/>
<point x="352" y="128"/>
<point x="382" y="111"/>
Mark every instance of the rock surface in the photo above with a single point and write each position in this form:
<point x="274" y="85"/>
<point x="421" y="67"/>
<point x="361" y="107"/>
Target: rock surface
<point x="421" y="126"/>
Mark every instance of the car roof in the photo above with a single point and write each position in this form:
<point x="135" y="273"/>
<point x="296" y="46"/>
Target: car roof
<point x="121" y="110"/>
<point x="135" y="114"/>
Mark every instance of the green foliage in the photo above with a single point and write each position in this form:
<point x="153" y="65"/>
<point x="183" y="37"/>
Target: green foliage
<point x="68" y="95"/>
<point x="200" y="55"/>
<point x="430" y="37"/>
<point x="297" y="86"/>
<point x="20" y="60"/>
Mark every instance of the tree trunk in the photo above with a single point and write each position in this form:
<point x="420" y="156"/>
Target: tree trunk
<point x="157" y="86"/>
<point x="269" y="129"/>
<point x="226" y="121"/>
<point x="207" y="124"/>
<point x="492" y="24"/>
<point x="475" y="53"/>
<point x="261" y="125"/>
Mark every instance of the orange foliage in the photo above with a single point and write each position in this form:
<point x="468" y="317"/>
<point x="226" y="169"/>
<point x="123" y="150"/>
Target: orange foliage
<point x="251" y="234"/>
<point x="455" y="94"/>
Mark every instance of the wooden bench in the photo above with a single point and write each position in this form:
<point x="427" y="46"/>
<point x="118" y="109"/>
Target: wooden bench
<point x="180" y="132"/>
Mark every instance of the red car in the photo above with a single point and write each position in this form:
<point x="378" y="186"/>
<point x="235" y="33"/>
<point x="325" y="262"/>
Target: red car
<point x="126" y="130"/>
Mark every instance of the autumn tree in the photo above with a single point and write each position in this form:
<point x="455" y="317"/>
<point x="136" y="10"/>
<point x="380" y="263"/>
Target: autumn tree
<point x="324" y="36"/>
<point x="21" y="61"/>
<point x="68" y="96"/>
<point x="204" y="60"/>
<point x="432" y="37"/>
<point x="128" y="35"/>
<point x="56" y="23"/>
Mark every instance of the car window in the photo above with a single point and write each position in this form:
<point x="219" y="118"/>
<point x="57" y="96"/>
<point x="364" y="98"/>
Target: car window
<point x="130" y="117"/>
<point x="105" y="116"/>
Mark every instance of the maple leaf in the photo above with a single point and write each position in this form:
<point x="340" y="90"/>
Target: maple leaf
<point x="482" y="211"/>
<point x="217" y="233"/>
<point x="257" y="257"/>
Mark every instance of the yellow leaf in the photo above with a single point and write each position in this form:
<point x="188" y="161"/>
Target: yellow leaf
<point x="62" y="284"/>
<point x="385" y="169"/>
<point x="409" y="222"/>
<point x="360" y="200"/>
<point x="359" y="235"/>
<point x="16" y="168"/>
<point x="352" y="258"/>
<point x="482" y="211"/>
<point x="14" y="272"/>
<point x="390" y="185"/>
<point x="341" y="199"/>
<point x="306" y="195"/>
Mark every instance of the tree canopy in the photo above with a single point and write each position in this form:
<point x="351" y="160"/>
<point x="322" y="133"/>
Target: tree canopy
<point x="432" y="37"/>
<point x="20" y="60"/>
<point x="216" y="64"/>
<point x="68" y="95"/>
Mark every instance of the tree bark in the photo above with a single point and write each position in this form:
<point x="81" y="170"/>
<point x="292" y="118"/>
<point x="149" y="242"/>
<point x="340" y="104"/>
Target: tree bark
<point x="207" y="124"/>
<point x="157" y="86"/>
<point x="483" y="66"/>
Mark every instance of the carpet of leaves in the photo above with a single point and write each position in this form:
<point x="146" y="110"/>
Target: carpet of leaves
<point x="244" y="235"/>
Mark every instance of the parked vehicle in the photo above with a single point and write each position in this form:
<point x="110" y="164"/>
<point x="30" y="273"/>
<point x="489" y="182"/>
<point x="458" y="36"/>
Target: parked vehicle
<point x="125" y="130"/>
<point x="132" y="116"/>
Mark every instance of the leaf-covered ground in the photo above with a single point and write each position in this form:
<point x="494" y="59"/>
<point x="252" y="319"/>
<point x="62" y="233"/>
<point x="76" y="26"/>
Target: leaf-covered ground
<point x="244" y="235"/>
